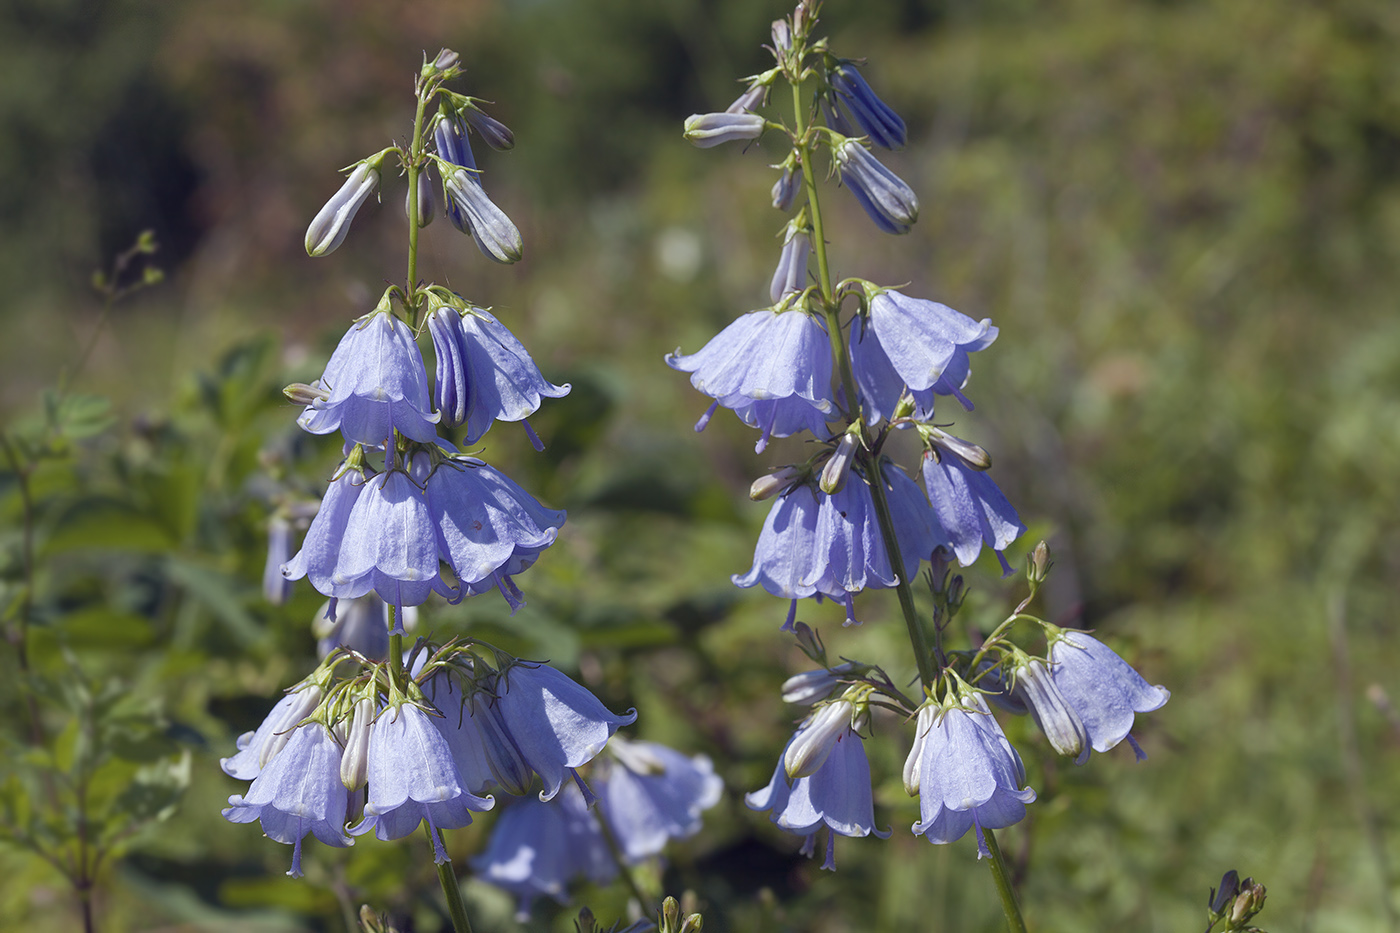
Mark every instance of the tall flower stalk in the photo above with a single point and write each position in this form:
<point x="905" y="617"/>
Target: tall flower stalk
<point x="849" y="362"/>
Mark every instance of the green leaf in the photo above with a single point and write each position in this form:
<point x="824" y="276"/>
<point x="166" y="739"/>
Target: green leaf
<point x="79" y="416"/>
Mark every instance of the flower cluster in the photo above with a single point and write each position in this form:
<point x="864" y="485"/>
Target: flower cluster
<point x="849" y="363"/>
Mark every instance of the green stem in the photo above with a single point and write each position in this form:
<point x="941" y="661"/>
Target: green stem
<point x="917" y="640"/>
<point x="1014" y="922"/>
<point x="415" y="156"/>
<point x="623" y="868"/>
<point x="397" y="674"/>
<point x="450" y="890"/>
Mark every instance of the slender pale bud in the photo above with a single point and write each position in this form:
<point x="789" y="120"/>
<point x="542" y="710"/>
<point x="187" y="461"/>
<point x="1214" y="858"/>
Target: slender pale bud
<point x="495" y="235"/>
<point x="1038" y="564"/>
<point x="838" y="468"/>
<point x="707" y="130"/>
<point x="308" y="699"/>
<point x="928" y="715"/>
<point x="445" y="60"/>
<point x="790" y="277"/>
<point x="815" y="740"/>
<point x="1060" y="723"/>
<point x="750" y="100"/>
<point x="304" y="394"/>
<point x="328" y="228"/>
<point x="975" y="457"/>
<point x="785" y="189"/>
<point x="782" y="36"/>
<point x="354" y="762"/>
<point x="492" y="131"/>
<point x="766" y="487"/>
<point x="814" y="686"/>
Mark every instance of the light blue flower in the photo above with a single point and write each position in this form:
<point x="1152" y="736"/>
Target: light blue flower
<point x="495" y="234"/>
<point x="412" y="778"/>
<point x="376" y="384"/>
<point x="837" y="796"/>
<point x="298" y="792"/>
<point x="257" y="748"/>
<point x="967" y="773"/>
<point x="484" y="374"/>
<point x="332" y="222"/>
<point x="1101" y="688"/>
<point x="650" y="794"/>
<point x="556" y="724"/>
<point x="536" y="849"/>
<point x="970" y="508"/>
<point x="707" y="130"/>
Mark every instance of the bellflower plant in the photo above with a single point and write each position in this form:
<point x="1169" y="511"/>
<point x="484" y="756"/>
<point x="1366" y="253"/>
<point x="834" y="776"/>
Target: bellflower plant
<point x="649" y="794"/>
<point x="850" y="362"/>
<point x="407" y="517"/>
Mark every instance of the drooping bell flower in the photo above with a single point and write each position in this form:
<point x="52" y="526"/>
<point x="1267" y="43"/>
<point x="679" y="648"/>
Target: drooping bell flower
<point x="967" y="773"/>
<point x="319" y="557"/>
<point x="880" y="123"/>
<point x="536" y="849"/>
<point x="650" y="794"/>
<point x="495" y="234"/>
<point x="298" y="792"/>
<point x="970" y="508"/>
<point x="484" y="374"/>
<point x="1102" y="689"/>
<point x="1057" y="719"/>
<point x="836" y="796"/>
<point x="557" y="724"/>
<point x="413" y="778"/>
<point x="376" y="384"/>
<point x="883" y="195"/>
<point x="257" y="748"/>
<point x="772" y="368"/>
<point x="495" y="133"/>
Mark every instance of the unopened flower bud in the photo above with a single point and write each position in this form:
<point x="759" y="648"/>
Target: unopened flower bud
<point x="1038" y="563"/>
<point x="782" y="36"/>
<point x="354" y="761"/>
<point x="586" y="922"/>
<point x="790" y="277"/>
<point x="303" y="394"/>
<point x="694" y="923"/>
<point x="928" y="715"/>
<point x="813" y="742"/>
<point x="1229" y="887"/>
<point x="975" y="457"/>
<point x="836" y="118"/>
<point x="332" y="222"/>
<point x="838" y="468"/>
<point x="425" y="200"/>
<point x="706" y="130"/>
<point x="766" y="487"/>
<point x="810" y="642"/>
<point x="492" y="131"/>
<point x="814" y="686"/>
<point x="1056" y="718"/>
<point x="1247" y="903"/>
<point x="445" y="60"/>
<point x="884" y="196"/>
<point x="881" y="124"/>
<point x="750" y="100"/>
<point x="495" y="235"/>
<point x="307" y="699"/>
<point x="670" y="915"/>
<point x="957" y="592"/>
<point x="785" y="189"/>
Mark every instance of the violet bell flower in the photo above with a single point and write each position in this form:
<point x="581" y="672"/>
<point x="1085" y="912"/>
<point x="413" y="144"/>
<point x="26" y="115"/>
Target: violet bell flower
<point x="413" y="778"/>
<point x="557" y="724"/>
<point x="885" y="198"/>
<point x="484" y="374"/>
<point x="970" y="508"/>
<point x="298" y="792"/>
<point x="376" y="385"/>
<point x="257" y="748"/>
<point x="1102" y="689"/>
<point x="771" y="367"/>
<point x="967" y="773"/>
<point x="836" y="796"/>
<point x="650" y="794"/>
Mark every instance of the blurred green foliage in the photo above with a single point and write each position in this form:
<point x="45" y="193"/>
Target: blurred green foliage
<point x="1184" y="216"/>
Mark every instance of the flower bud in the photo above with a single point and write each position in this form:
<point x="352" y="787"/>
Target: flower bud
<point x="766" y="487"/>
<point x="975" y="457"/>
<point x="354" y="761"/>
<point x="836" y="119"/>
<point x="308" y="698"/>
<point x="814" y="686"/>
<point x="425" y="200"/>
<point x="1247" y="903"/>
<point x="707" y="130"/>
<point x="694" y="923"/>
<point x="1038" y="563"/>
<point x="928" y="715"/>
<point x="303" y="394"/>
<point x="881" y="124"/>
<point x="884" y="196"/>
<point x="1056" y="718"/>
<point x="446" y="60"/>
<point x="492" y="131"/>
<point x="782" y="36"/>
<point x="813" y="742"/>
<point x="332" y="222"/>
<point x="838" y="468"/>
<point x="495" y="235"/>
<point x="809" y="641"/>
<point x="750" y="100"/>
<point x="1229" y="887"/>
<point x="790" y="277"/>
<point x="785" y="189"/>
<point x="586" y="922"/>
<point x="670" y="915"/>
